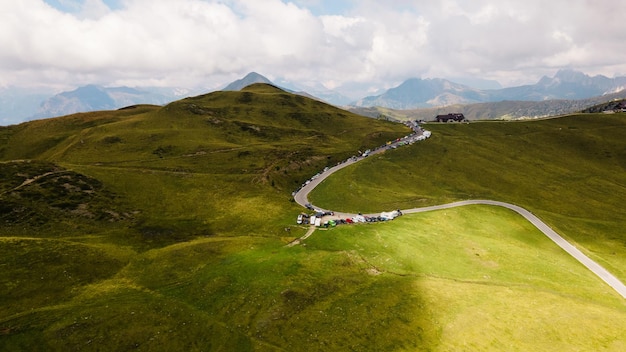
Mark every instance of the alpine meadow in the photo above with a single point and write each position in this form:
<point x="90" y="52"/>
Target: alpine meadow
<point x="167" y="228"/>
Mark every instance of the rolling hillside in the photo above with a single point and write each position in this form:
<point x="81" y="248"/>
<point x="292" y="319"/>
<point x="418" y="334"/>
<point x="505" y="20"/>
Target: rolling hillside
<point x="165" y="228"/>
<point x="568" y="171"/>
<point x="85" y="196"/>
<point x="260" y="142"/>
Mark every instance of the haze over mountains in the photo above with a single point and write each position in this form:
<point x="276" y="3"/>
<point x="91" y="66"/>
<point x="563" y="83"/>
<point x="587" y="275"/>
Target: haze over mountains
<point x="92" y="98"/>
<point x="500" y="110"/>
<point x="424" y="93"/>
<point x="17" y="105"/>
<point x="22" y="104"/>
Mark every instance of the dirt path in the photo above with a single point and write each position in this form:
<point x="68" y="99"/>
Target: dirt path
<point x="31" y="180"/>
<point x="306" y="235"/>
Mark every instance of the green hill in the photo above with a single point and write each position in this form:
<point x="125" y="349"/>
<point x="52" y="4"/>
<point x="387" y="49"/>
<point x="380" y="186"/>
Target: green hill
<point x="164" y="228"/>
<point x="569" y="171"/>
<point x="223" y="163"/>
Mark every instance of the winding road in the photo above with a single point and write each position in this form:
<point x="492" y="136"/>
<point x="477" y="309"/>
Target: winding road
<point x="301" y="197"/>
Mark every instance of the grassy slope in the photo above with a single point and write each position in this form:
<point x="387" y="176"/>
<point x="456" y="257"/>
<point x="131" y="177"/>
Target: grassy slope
<point x="569" y="171"/>
<point x="497" y="284"/>
<point x="181" y="273"/>
<point x="223" y="163"/>
<point x="213" y="173"/>
<point x="411" y="284"/>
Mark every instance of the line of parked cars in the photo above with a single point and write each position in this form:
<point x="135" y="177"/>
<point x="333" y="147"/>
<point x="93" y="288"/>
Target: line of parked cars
<point x="362" y="219"/>
<point x="418" y="135"/>
<point x="316" y="219"/>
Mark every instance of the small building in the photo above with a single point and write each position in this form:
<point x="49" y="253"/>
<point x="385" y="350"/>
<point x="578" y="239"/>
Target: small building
<point x="457" y="117"/>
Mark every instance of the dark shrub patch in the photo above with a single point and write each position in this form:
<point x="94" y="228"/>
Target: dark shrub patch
<point x="245" y="97"/>
<point x="111" y="140"/>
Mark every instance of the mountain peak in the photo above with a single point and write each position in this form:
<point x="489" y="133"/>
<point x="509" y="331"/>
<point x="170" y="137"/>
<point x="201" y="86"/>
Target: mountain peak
<point x="249" y="79"/>
<point x="569" y="75"/>
<point x="418" y="93"/>
<point x="254" y="75"/>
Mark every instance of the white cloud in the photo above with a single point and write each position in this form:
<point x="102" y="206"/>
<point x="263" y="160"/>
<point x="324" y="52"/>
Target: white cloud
<point x="93" y="9"/>
<point x="210" y="42"/>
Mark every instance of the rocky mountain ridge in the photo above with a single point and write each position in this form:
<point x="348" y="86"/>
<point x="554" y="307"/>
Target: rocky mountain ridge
<point x="414" y="93"/>
<point x="436" y="92"/>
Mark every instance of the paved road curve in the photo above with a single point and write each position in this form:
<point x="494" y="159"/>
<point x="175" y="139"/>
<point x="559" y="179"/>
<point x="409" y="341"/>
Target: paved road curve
<point x="301" y="197"/>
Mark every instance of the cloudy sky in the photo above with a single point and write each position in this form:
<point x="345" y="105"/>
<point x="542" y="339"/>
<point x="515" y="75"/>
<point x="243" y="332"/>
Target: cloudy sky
<point x="336" y="43"/>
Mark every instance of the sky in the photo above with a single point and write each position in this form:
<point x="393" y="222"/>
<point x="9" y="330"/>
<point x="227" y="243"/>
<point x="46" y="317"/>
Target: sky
<point x="335" y="44"/>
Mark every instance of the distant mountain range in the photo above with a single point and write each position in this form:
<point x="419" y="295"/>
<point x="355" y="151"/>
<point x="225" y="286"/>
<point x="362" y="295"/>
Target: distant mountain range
<point x="93" y="98"/>
<point x="18" y="104"/>
<point x="500" y="110"/>
<point x="567" y="86"/>
<point x="423" y="93"/>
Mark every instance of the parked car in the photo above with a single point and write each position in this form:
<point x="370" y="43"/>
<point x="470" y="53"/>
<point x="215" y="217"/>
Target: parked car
<point x="299" y="219"/>
<point x="358" y="218"/>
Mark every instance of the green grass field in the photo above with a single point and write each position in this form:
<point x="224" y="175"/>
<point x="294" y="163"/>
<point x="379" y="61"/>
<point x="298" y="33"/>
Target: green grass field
<point x="568" y="171"/>
<point x="164" y="229"/>
<point x="416" y="283"/>
<point x="223" y="164"/>
<point x="490" y="284"/>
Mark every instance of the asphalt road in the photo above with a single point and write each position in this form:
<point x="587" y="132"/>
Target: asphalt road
<point x="301" y="197"/>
